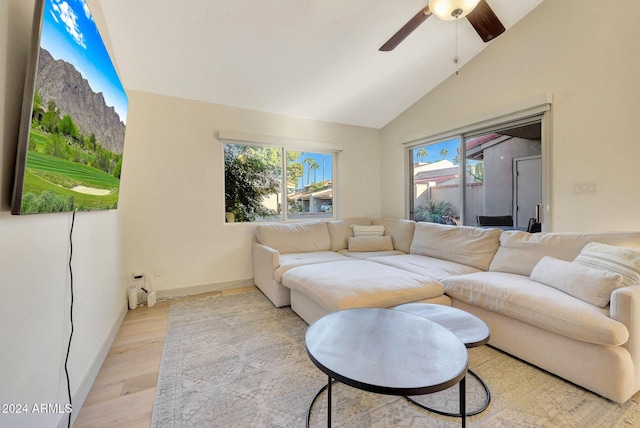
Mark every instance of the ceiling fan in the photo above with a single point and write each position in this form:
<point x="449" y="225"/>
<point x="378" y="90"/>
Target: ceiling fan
<point x="479" y="14"/>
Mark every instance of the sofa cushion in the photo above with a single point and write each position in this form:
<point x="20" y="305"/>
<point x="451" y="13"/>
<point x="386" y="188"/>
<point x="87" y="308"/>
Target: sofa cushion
<point x="467" y="245"/>
<point x="520" y="251"/>
<point x="367" y="231"/>
<point x="369" y="254"/>
<point x="400" y="230"/>
<point x="291" y="260"/>
<point x="587" y="284"/>
<point x="294" y="237"/>
<point x="358" y="284"/>
<point x="622" y="261"/>
<point x="374" y="243"/>
<point x="519" y="297"/>
<point x="425" y="266"/>
<point x="340" y="231"/>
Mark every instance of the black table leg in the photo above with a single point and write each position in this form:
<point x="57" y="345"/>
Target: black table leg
<point x="470" y="412"/>
<point x="463" y="401"/>
<point x="320" y="391"/>
<point x="329" y="403"/>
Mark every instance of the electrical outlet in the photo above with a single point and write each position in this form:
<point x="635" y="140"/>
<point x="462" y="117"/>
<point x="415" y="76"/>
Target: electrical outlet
<point x="583" y="188"/>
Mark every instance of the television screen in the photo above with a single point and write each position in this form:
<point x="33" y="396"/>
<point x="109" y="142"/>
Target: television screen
<point x="74" y="115"/>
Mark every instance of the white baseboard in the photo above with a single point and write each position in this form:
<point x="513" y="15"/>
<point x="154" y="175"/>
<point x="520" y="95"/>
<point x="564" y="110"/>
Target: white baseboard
<point x="205" y="288"/>
<point x="87" y="382"/>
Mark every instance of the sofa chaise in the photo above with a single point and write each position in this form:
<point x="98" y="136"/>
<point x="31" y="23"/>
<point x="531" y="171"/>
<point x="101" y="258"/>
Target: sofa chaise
<point x="568" y="303"/>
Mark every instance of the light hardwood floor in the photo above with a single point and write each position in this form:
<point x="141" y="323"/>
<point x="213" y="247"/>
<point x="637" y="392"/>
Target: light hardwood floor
<point x="123" y="392"/>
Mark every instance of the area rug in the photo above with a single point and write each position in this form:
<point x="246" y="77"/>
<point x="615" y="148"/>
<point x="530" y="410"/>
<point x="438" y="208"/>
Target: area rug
<point x="237" y="361"/>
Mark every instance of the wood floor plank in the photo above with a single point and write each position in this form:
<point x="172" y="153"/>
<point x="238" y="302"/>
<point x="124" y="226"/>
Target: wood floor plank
<point x="140" y="383"/>
<point x="119" y="412"/>
<point x="100" y="393"/>
<point x="133" y="353"/>
<point x="112" y="374"/>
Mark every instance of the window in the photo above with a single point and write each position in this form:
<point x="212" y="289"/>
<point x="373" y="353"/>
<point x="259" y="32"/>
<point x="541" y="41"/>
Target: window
<point x="496" y="164"/>
<point x="504" y="175"/>
<point x="252" y="182"/>
<point x="435" y="175"/>
<point x="310" y="185"/>
<point x="269" y="183"/>
<point x="496" y="171"/>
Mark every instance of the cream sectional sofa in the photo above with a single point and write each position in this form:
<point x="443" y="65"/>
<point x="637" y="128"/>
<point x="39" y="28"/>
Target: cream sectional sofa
<point x="539" y="293"/>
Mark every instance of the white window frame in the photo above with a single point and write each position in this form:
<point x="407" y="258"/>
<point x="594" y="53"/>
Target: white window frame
<point x="288" y="144"/>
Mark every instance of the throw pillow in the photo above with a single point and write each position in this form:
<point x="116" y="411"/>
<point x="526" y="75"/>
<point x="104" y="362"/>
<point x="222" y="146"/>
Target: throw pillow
<point x="587" y="284"/>
<point x="400" y="230"/>
<point x="340" y="231"/>
<point x="364" y="231"/>
<point x="374" y="243"/>
<point x="610" y="258"/>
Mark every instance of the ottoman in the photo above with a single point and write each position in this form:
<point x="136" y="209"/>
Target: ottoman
<point x="322" y="288"/>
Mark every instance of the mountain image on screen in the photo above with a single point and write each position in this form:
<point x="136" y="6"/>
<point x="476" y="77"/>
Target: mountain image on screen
<point x="75" y="145"/>
<point x="60" y="81"/>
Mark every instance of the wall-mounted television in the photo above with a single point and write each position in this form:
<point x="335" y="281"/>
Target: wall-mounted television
<point x="74" y="115"/>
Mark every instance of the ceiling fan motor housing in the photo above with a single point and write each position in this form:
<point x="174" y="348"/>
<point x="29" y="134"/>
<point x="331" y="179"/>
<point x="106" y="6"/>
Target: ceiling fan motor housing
<point x="450" y="10"/>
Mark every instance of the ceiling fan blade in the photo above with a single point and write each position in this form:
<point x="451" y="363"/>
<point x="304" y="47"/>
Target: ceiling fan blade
<point x="407" y="29"/>
<point x="485" y="22"/>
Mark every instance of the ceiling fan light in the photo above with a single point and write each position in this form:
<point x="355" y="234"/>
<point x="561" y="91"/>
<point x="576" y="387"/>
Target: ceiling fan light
<point x="450" y="10"/>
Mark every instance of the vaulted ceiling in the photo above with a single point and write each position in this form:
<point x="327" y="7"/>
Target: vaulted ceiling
<point x="314" y="59"/>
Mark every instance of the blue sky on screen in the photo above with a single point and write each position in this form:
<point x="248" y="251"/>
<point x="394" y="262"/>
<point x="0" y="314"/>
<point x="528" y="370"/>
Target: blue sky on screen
<point x="69" y="33"/>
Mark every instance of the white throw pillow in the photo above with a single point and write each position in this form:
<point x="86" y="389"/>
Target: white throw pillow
<point x="610" y="258"/>
<point x="587" y="284"/>
<point x="520" y="251"/>
<point x="340" y="231"/>
<point x="374" y="243"/>
<point x="367" y="231"/>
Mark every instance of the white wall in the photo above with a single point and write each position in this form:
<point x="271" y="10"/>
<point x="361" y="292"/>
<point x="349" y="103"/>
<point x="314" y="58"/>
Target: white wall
<point x="172" y="196"/>
<point x="586" y="55"/>
<point x="34" y="279"/>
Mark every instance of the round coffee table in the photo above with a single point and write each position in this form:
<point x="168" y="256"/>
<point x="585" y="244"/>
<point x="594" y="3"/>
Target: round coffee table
<point x="471" y="330"/>
<point x="387" y="352"/>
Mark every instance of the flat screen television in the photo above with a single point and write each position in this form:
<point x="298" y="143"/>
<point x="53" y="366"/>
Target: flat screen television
<point x="73" y="119"/>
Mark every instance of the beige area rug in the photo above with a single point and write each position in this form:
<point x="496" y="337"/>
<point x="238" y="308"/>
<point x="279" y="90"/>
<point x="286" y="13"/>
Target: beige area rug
<point x="237" y="361"/>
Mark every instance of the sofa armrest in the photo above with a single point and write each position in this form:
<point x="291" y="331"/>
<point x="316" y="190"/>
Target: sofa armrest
<point x="265" y="259"/>
<point x="625" y="307"/>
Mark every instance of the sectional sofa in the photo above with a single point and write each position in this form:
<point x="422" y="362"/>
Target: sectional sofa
<point x="568" y="303"/>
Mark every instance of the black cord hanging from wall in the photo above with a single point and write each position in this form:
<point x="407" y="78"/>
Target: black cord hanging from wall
<point x="66" y="369"/>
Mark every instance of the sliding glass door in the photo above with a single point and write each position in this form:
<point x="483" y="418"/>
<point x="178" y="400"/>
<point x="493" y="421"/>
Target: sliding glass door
<point x="495" y="172"/>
